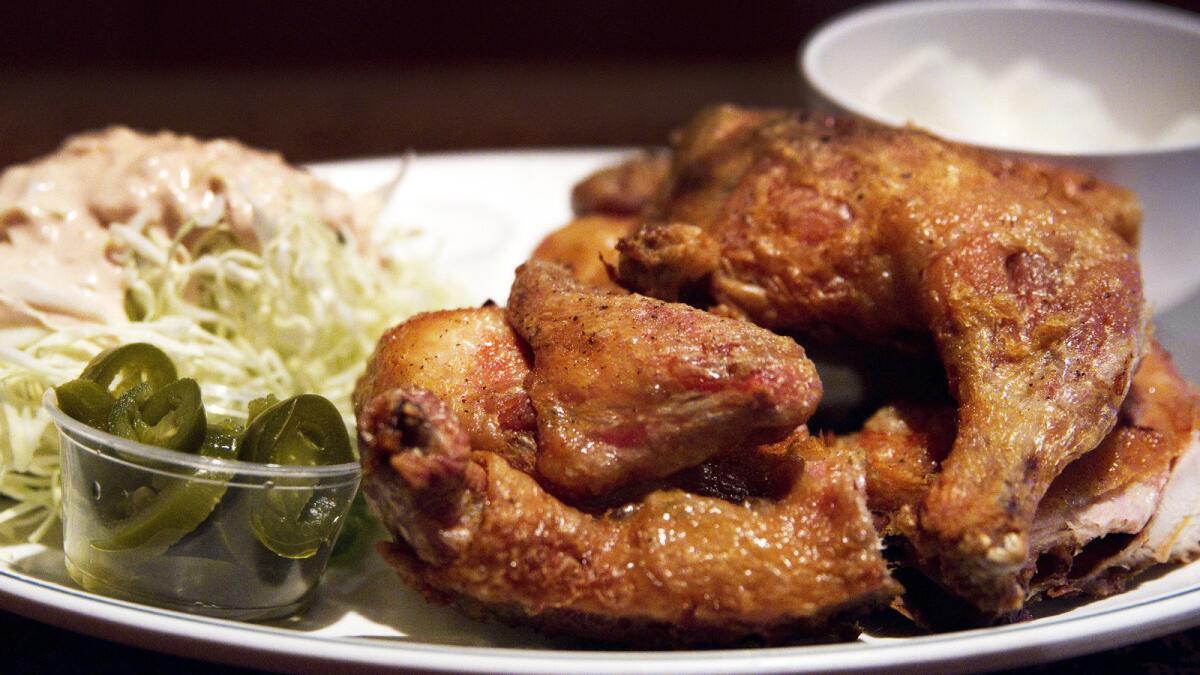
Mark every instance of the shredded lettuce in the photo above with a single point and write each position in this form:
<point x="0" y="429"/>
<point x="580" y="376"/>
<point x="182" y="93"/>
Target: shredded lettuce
<point x="300" y="315"/>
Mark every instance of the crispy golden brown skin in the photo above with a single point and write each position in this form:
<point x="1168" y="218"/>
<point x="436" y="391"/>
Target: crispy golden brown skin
<point x="628" y="389"/>
<point x="482" y="378"/>
<point x="674" y="569"/>
<point x="588" y="247"/>
<point x="778" y="545"/>
<point x="623" y="189"/>
<point x="1021" y="277"/>
<point x="1112" y="490"/>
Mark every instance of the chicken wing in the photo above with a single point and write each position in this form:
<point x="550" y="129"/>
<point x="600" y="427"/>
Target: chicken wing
<point x="628" y="389"/>
<point x="673" y="569"/>
<point x="781" y="547"/>
<point x="1021" y="278"/>
<point x="475" y="363"/>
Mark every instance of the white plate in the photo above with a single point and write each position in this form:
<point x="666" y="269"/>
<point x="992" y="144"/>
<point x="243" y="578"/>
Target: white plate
<point x="493" y="208"/>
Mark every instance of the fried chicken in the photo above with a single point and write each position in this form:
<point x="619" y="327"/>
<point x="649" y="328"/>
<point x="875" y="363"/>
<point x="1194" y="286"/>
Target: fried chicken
<point x="1021" y="278"/>
<point x="588" y="247"/>
<point x="475" y="363"/>
<point x="628" y="389"/>
<point x="781" y="549"/>
<point x="1112" y="513"/>
<point x="902" y="447"/>
<point x="674" y="569"/>
<point x="624" y="189"/>
<point x="1138" y="485"/>
<point x="606" y="206"/>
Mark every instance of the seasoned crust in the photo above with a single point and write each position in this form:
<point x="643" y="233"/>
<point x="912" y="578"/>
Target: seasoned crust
<point x="716" y="553"/>
<point x="689" y="570"/>
<point x="1021" y="276"/>
<point x="624" y="189"/>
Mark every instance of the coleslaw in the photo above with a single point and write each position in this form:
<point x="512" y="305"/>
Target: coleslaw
<point x="301" y="314"/>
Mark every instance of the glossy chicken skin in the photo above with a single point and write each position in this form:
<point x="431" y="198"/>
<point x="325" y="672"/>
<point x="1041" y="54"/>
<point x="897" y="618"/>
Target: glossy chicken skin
<point x="606" y="206"/>
<point x="475" y="363"/>
<point x="1115" y="489"/>
<point x="771" y="541"/>
<point x="1020" y="277"/>
<point x="628" y="389"/>
<point x="588" y="247"/>
<point x="673" y="569"/>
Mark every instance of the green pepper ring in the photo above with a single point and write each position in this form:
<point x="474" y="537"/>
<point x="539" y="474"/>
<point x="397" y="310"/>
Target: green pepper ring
<point x="120" y="369"/>
<point x="304" y="430"/>
<point x="172" y="417"/>
<point x="177" y="509"/>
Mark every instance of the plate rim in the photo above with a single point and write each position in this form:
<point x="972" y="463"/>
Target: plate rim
<point x="1068" y="635"/>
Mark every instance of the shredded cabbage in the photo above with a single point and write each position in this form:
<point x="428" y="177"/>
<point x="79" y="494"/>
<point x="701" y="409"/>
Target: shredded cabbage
<point x="301" y="315"/>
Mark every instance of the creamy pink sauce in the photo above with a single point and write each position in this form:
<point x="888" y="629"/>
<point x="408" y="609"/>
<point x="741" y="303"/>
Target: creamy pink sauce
<point x="56" y="256"/>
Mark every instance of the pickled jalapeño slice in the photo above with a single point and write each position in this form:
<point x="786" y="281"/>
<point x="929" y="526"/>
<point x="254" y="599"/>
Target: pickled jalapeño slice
<point x="305" y="430"/>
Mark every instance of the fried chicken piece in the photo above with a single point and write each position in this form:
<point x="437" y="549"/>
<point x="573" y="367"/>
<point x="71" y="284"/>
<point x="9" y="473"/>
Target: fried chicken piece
<point x="628" y="389"/>
<point x="606" y="206"/>
<point x="781" y="550"/>
<point x="624" y="189"/>
<point x="833" y="229"/>
<point x="588" y="247"/>
<point x="1139" y="485"/>
<point x="674" y="569"/>
<point x="902" y="446"/>
<point x="1110" y="514"/>
<point x="472" y="360"/>
<point x="475" y="363"/>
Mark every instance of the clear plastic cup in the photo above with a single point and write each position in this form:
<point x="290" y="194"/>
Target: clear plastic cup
<point x="223" y="538"/>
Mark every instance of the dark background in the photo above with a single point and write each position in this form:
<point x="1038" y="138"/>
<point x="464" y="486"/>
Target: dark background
<point x="326" y="80"/>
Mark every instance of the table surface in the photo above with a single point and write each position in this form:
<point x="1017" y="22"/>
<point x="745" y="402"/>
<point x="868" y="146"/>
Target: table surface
<point x="328" y="99"/>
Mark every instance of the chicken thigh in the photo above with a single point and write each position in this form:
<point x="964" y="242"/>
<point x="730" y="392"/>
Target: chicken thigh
<point x="1021" y="278"/>
<point x="1113" y="512"/>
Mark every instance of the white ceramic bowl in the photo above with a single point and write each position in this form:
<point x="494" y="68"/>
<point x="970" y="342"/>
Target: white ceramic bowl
<point x="1144" y="62"/>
